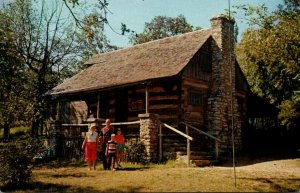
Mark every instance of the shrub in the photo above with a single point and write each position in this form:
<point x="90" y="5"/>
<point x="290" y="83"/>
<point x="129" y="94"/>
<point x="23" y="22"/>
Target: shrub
<point x="136" y="152"/>
<point x="16" y="162"/>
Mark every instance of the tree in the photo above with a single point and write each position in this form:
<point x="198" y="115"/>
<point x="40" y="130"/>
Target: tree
<point x="161" y="27"/>
<point x="269" y="56"/>
<point x="47" y="46"/>
<point x="12" y="84"/>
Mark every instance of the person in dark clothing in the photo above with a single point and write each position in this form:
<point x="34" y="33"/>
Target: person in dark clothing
<point x="105" y="136"/>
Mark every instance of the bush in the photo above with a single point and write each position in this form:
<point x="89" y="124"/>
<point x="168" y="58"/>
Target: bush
<point x="136" y="152"/>
<point x="16" y="162"/>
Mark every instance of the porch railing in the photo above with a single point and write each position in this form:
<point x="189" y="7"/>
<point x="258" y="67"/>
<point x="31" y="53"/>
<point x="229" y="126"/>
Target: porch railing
<point x="217" y="141"/>
<point x="103" y="124"/>
<point x="70" y="147"/>
<point x="188" y="139"/>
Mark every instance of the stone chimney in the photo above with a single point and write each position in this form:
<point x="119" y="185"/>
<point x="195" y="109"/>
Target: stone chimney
<point x="223" y="74"/>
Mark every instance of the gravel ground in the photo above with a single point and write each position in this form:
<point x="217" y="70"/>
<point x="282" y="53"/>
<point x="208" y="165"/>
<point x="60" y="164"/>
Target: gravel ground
<point x="288" y="166"/>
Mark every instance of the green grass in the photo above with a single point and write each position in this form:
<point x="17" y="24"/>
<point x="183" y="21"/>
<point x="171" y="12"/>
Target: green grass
<point x="16" y="132"/>
<point x="169" y="177"/>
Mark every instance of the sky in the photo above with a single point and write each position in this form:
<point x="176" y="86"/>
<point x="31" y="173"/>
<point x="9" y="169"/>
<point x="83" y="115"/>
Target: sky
<point x="134" y="13"/>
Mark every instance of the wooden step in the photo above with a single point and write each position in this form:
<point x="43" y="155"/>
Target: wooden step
<point x="196" y="153"/>
<point x="201" y="163"/>
<point x="197" y="158"/>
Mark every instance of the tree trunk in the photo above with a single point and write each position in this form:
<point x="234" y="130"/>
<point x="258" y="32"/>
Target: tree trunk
<point x="6" y="132"/>
<point x="34" y="128"/>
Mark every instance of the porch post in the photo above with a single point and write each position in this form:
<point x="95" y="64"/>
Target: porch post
<point x="160" y="143"/>
<point x="147" y="99"/>
<point x="98" y="106"/>
<point x="188" y="147"/>
<point x="54" y="133"/>
<point x="149" y="130"/>
<point x="57" y="117"/>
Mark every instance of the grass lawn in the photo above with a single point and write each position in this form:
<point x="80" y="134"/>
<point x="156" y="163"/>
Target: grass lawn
<point x="263" y="176"/>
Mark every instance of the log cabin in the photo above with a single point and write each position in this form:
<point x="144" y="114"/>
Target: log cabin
<point x="192" y="78"/>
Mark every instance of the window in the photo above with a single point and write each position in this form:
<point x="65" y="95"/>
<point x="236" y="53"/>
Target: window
<point x="196" y="97"/>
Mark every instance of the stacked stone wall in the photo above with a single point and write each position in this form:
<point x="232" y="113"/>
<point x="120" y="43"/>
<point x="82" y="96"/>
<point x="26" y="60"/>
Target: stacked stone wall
<point x="149" y="130"/>
<point x="219" y="101"/>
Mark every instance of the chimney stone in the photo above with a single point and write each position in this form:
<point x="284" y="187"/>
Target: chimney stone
<point x="223" y="83"/>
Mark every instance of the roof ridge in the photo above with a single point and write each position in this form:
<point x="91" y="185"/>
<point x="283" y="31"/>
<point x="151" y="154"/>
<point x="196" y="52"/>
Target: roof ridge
<point x="145" y="43"/>
<point x="143" y="62"/>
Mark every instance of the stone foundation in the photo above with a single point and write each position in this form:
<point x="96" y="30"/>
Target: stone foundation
<point x="149" y="130"/>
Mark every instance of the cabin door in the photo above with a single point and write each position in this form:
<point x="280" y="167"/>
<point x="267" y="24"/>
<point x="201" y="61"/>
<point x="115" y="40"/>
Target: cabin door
<point x="121" y="106"/>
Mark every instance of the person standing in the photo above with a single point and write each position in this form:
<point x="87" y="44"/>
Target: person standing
<point x="111" y="152"/>
<point x="105" y="136"/>
<point x="89" y="145"/>
<point x="120" y="139"/>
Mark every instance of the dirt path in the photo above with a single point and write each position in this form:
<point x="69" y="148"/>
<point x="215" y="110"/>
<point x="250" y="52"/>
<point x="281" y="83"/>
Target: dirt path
<point x="287" y="166"/>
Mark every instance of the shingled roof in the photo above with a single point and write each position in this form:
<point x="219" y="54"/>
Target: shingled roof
<point x="140" y="63"/>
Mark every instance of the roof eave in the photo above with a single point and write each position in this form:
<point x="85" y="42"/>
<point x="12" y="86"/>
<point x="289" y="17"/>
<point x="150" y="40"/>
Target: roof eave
<point x="97" y="89"/>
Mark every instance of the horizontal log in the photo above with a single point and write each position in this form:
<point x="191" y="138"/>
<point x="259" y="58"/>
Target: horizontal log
<point x="132" y="118"/>
<point x="174" y="116"/>
<point x="168" y="97"/>
<point x="188" y="82"/>
<point x="124" y="123"/>
<point x="163" y="102"/>
<point x="191" y="108"/>
<point x="74" y="125"/>
<point x="165" y="111"/>
<point x="172" y="106"/>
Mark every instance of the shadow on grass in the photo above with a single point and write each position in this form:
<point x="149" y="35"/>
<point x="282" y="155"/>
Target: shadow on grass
<point x="59" y="163"/>
<point x="273" y="182"/>
<point x="75" y="175"/>
<point x="124" y="189"/>
<point x="133" y="168"/>
<point x="46" y="187"/>
<point x="49" y="187"/>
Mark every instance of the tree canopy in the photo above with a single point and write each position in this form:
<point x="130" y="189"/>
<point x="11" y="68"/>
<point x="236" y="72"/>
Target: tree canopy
<point x="269" y="56"/>
<point x="160" y="27"/>
<point x="41" y="46"/>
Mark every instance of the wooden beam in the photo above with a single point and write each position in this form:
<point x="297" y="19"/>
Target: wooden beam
<point x="177" y="131"/>
<point x="98" y="106"/>
<point x="160" y="143"/>
<point x="124" y="123"/>
<point x="188" y="147"/>
<point x="171" y="106"/>
<point x="147" y="99"/>
<point x="58" y="110"/>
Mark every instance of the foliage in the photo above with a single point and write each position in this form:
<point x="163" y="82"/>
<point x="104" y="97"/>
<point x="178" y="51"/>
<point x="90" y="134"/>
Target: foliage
<point x="16" y="162"/>
<point x="39" y="48"/>
<point x="136" y="152"/>
<point x="13" y="100"/>
<point x="91" y="39"/>
<point x="161" y="27"/>
<point x="269" y="56"/>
